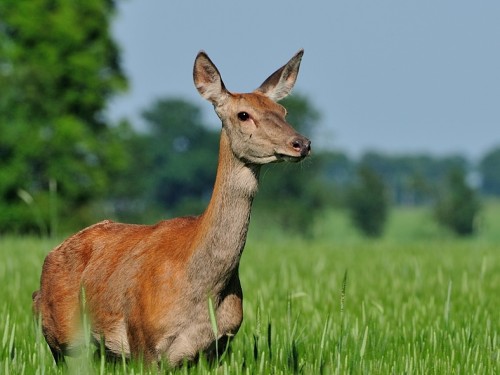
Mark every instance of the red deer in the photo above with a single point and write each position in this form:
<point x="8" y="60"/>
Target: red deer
<point x="147" y="287"/>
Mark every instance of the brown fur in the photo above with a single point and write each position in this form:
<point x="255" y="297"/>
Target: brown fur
<point x="146" y="287"/>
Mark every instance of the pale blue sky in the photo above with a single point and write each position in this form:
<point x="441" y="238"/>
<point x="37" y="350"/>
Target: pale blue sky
<point x="397" y="76"/>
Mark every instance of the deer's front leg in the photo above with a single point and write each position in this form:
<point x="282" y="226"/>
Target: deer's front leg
<point x="199" y="336"/>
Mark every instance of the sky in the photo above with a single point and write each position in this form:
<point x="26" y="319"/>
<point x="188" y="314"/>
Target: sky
<point x="396" y="76"/>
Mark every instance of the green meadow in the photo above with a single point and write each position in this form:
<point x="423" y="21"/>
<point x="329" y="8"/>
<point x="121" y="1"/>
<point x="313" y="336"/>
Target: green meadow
<point x="416" y="301"/>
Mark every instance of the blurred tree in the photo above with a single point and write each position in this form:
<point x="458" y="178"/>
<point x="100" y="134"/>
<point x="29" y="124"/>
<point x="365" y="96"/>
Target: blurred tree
<point x="174" y="162"/>
<point x="489" y="168"/>
<point x="301" y="113"/>
<point x="457" y="205"/>
<point x="337" y="167"/>
<point x="291" y="195"/>
<point x="411" y="178"/>
<point x="58" y="68"/>
<point x="418" y="189"/>
<point x="368" y="202"/>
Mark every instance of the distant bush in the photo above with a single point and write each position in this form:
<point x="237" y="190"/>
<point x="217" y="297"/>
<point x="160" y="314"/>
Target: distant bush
<point x="489" y="167"/>
<point x="368" y="203"/>
<point x="293" y="199"/>
<point x="457" y="204"/>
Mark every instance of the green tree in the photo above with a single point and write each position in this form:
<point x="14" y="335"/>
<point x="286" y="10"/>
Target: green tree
<point x="368" y="203"/>
<point x="184" y="152"/>
<point x="58" y="68"/>
<point x="490" y="172"/>
<point x="174" y="164"/>
<point x="457" y="205"/>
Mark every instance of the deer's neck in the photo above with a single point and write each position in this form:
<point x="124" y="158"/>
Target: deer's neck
<point x="224" y="224"/>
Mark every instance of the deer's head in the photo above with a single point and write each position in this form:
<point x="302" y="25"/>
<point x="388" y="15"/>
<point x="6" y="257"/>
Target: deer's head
<point x="255" y="123"/>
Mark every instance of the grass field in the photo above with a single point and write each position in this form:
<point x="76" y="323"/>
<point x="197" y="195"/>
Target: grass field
<point x="417" y="301"/>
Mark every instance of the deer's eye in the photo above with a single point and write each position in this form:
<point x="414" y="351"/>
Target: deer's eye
<point x="243" y="116"/>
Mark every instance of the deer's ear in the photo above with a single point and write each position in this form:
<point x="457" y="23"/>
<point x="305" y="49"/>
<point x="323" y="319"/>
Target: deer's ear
<point x="279" y="84"/>
<point x="207" y="79"/>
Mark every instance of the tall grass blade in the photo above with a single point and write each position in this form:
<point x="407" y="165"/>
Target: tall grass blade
<point x="215" y="329"/>
<point x="342" y="308"/>
<point x="342" y="294"/>
<point x="363" y="345"/>
<point x="448" y="303"/>
<point x="269" y="339"/>
<point x="322" y="345"/>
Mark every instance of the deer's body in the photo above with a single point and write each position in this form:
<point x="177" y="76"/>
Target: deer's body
<point x="147" y="287"/>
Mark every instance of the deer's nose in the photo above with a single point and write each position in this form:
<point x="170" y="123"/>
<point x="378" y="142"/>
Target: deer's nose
<point x="302" y="145"/>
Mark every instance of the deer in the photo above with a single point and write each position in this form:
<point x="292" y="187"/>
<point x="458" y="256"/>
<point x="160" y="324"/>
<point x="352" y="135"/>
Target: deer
<point x="150" y="291"/>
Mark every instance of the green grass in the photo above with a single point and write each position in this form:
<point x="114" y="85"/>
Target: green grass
<point x="417" y="301"/>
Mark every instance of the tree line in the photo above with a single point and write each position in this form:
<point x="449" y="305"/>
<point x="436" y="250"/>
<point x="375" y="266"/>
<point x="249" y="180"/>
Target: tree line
<point x="63" y="165"/>
<point x="175" y="161"/>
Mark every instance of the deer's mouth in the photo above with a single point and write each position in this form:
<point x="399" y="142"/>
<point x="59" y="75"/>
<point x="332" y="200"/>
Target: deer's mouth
<point x="290" y="158"/>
